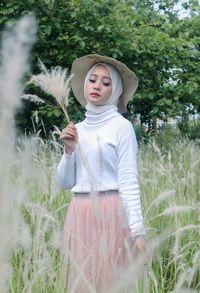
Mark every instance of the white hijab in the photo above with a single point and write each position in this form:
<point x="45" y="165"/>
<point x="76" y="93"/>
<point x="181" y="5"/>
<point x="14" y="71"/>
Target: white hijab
<point x="117" y="87"/>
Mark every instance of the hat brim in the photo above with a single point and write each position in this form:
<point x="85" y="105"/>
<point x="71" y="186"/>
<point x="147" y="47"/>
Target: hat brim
<point x="81" y="66"/>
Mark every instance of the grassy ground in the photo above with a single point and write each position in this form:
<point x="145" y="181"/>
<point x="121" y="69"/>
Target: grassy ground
<point x="170" y="196"/>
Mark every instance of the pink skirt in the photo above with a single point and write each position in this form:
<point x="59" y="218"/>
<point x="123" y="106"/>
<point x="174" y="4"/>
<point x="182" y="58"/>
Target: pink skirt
<point x="98" y="242"/>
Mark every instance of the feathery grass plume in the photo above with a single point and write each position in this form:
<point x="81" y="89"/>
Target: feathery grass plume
<point x="186" y="276"/>
<point x="33" y="98"/>
<point x="54" y="82"/>
<point x="16" y="45"/>
<point x="178" y="209"/>
<point x="158" y="200"/>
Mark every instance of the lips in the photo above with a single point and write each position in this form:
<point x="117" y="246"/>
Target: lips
<point x="94" y="95"/>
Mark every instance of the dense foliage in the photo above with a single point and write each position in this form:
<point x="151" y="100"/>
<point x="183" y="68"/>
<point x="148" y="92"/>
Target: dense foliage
<point x="162" y="49"/>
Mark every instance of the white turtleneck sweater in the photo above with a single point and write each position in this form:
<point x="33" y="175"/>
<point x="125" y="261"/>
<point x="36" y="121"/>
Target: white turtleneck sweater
<point x="105" y="159"/>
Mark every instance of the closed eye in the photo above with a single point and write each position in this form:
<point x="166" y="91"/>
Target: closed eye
<point x="107" y="83"/>
<point x="92" y="80"/>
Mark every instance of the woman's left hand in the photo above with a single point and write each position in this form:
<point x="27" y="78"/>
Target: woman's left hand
<point x="141" y="245"/>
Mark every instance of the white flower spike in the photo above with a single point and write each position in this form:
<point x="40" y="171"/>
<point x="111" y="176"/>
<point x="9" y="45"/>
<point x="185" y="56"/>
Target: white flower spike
<point x="54" y="82"/>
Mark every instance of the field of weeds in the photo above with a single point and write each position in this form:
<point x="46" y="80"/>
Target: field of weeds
<point x="170" y="196"/>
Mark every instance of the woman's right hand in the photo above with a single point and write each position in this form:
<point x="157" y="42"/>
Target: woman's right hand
<point x="69" y="136"/>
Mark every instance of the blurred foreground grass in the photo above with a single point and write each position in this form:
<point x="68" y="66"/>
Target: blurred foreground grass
<point x="170" y="191"/>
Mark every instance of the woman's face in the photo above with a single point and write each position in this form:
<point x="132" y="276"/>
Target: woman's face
<point x="99" y="86"/>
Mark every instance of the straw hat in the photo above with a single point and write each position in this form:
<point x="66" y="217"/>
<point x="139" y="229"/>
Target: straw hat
<point x="81" y="66"/>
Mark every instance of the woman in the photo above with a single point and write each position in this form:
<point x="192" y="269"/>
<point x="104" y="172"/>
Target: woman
<point x="104" y="222"/>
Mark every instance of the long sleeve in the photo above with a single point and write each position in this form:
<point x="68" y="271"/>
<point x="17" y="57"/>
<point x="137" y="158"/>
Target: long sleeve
<point x="127" y="178"/>
<point x="66" y="171"/>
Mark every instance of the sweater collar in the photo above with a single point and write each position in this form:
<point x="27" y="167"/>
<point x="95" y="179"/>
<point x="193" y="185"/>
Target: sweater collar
<point x="99" y="118"/>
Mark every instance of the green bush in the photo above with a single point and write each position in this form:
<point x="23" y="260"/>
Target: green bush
<point x="140" y="133"/>
<point x="190" y="129"/>
<point x="166" y="137"/>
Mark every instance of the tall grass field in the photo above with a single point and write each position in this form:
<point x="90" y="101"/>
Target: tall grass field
<point x="33" y="206"/>
<point x="170" y="196"/>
